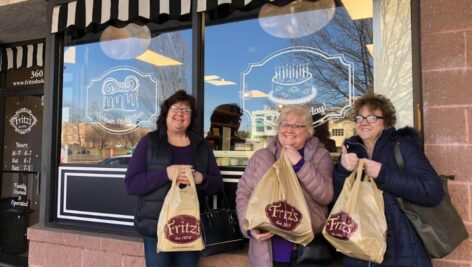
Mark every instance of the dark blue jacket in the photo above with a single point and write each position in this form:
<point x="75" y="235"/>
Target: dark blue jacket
<point x="417" y="182"/>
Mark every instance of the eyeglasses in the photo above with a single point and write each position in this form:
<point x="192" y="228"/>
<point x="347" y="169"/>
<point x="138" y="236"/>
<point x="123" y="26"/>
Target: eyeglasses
<point x="176" y="109"/>
<point x="293" y="126"/>
<point x="369" y="119"/>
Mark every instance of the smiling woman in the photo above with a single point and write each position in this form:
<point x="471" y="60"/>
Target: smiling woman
<point x="161" y="156"/>
<point x="313" y="168"/>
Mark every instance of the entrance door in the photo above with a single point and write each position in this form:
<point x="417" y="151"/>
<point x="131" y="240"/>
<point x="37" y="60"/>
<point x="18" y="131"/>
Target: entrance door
<point x="19" y="203"/>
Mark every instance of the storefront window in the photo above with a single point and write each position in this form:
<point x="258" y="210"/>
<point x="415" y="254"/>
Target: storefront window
<point x="314" y="53"/>
<point x="112" y="89"/>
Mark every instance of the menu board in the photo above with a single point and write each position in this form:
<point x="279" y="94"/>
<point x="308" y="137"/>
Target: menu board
<point x="23" y="127"/>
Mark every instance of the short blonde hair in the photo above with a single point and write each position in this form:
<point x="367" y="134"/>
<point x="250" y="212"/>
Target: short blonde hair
<point x="303" y="111"/>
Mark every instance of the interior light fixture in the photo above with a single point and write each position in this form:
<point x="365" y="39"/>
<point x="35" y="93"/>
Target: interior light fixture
<point x="359" y="9"/>
<point x="370" y="48"/>
<point x="211" y="77"/>
<point x="69" y="55"/>
<point x="255" y="94"/>
<point x="217" y="80"/>
<point x="157" y="59"/>
<point x="296" y="19"/>
<point x="221" y="82"/>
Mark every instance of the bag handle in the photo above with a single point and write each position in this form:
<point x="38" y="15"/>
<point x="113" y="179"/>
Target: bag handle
<point x="175" y="189"/>
<point x="356" y="181"/>
<point x="225" y="202"/>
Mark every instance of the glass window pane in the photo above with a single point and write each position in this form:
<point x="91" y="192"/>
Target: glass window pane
<point x="112" y="89"/>
<point x="315" y="53"/>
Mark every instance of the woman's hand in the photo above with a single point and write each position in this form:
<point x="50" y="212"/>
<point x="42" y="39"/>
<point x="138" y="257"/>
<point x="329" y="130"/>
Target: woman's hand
<point x="292" y="154"/>
<point x="181" y="171"/>
<point x="171" y="171"/>
<point x="372" y="168"/>
<point x="197" y="176"/>
<point x="259" y="235"/>
<point x="348" y="160"/>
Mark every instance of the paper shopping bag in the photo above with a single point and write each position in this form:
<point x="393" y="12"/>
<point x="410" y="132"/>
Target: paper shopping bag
<point x="278" y="205"/>
<point x="178" y="228"/>
<point x="356" y="225"/>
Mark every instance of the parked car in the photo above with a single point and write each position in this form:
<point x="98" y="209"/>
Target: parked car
<point x="115" y="161"/>
<point x="130" y="150"/>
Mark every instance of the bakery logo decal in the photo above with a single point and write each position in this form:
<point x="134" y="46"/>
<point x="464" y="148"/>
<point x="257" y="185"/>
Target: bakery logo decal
<point x="341" y="226"/>
<point x="122" y="99"/>
<point x="294" y="76"/>
<point x="182" y="229"/>
<point x="23" y="121"/>
<point x="283" y="215"/>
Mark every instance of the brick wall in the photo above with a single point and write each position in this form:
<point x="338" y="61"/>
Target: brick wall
<point x="52" y="247"/>
<point x="49" y="247"/>
<point x="446" y="41"/>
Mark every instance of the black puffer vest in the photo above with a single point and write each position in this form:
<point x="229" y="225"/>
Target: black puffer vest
<point x="160" y="156"/>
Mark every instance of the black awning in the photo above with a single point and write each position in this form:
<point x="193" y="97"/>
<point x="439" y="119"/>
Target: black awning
<point x="23" y="56"/>
<point x="88" y="15"/>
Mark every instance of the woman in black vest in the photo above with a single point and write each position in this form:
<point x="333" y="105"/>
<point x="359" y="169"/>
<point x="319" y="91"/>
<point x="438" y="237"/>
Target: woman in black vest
<point x="153" y="164"/>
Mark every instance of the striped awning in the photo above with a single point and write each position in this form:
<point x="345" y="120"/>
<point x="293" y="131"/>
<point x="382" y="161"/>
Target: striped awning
<point x="88" y="14"/>
<point x="23" y="56"/>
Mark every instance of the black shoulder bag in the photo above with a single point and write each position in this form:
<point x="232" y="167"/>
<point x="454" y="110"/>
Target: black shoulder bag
<point x="220" y="229"/>
<point x="440" y="227"/>
<point x="318" y="251"/>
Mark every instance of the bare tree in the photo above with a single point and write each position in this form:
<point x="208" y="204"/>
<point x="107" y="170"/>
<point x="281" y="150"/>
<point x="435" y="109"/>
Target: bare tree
<point x="342" y="36"/>
<point x="172" y="78"/>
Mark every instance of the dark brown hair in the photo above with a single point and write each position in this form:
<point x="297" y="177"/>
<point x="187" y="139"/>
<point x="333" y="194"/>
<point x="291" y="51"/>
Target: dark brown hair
<point x="179" y="96"/>
<point x="376" y="102"/>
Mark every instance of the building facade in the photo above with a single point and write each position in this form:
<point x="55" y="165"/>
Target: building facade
<point x="94" y="84"/>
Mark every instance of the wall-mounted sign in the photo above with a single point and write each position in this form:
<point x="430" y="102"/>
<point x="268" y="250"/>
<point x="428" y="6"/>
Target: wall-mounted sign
<point x="20" y="190"/>
<point x="22" y="134"/>
<point x="25" y="77"/>
<point x="122" y="99"/>
<point x="297" y="75"/>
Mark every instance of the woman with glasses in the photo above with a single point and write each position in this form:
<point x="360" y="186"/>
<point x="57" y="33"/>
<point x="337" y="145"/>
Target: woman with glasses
<point x="376" y="137"/>
<point x="313" y="166"/>
<point x="154" y="163"/>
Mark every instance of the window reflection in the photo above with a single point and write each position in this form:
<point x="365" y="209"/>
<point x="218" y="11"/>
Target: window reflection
<point x="325" y="68"/>
<point x="111" y="98"/>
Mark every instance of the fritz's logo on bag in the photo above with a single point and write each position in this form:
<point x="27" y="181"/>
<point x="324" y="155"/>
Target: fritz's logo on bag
<point x="182" y="229"/>
<point x="283" y="215"/>
<point x="341" y="226"/>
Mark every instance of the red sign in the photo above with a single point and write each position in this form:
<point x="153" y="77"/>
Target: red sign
<point x="340" y="225"/>
<point x="283" y="215"/>
<point x="182" y="229"/>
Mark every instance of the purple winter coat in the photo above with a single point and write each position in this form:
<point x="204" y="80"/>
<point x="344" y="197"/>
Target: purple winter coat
<point x="315" y="178"/>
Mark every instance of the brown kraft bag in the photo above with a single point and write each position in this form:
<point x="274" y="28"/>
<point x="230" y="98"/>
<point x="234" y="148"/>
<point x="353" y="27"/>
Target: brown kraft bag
<point x="278" y="205"/>
<point x="178" y="228"/>
<point x="356" y="225"/>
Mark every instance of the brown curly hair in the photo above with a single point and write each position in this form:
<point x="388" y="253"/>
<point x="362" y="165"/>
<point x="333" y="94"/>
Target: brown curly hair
<point x="376" y="102"/>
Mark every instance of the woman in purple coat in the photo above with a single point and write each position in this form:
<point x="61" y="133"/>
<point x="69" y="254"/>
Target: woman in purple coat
<point x="313" y="166"/>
